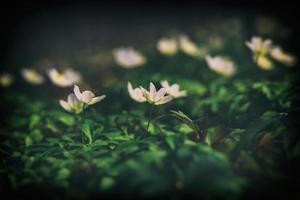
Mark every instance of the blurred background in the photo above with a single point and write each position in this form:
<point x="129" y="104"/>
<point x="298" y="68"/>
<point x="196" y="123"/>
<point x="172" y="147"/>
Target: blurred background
<point x="59" y="32"/>
<point x="83" y="36"/>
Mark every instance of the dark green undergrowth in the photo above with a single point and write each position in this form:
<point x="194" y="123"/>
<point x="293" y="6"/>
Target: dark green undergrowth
<point x="230" y="138"/>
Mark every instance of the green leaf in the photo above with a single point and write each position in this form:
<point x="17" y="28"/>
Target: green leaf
<point x="185" y="119"/>
<point x="106" y="183"/>
<point x="86" y="129"/>
<point x="36" y="135"/>
<point x="170" y="141"/>
<point x="34" y="120"/>
<point x="63" y="173"/>
<point x="28" y="141"/>
<point x="192" y="87"/>
<point x="63" y="117"/>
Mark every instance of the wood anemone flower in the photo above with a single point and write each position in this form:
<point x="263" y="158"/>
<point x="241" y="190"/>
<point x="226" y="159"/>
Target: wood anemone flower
<point x="221" y="65"/>
<point x="6" y="79"/>
<point x="64" y="79"/>
<point x="173" y="90"/>
<point x="32" y="76"/>
<point x="128" y="58"/>
<point x="156" y="97"/>
<point x="188" y="47"/>
<point x="87" y="96"/>
<point x="167" y="46"/>
<point x="259" y="46"/>
<point x="136" y="93"/>
<point x="72" y="104"/>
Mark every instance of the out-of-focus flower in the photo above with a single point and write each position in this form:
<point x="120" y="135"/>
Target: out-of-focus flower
<point x="221" y="65"/>
<point x="264" y="63"/>
<point x="72" y="104"/>
<point x="173" y="90"/>
<point x="188" y="47"/>
<point x="32" y="76"/>
<point x="64" y="79"/>
<point x="156" y="97"/>
<point x="87" y="96"/>
<point x="167" y="46"/>
<point x="6" y="79"/>
<point x="128" y="58"/>
<point x="136" y="94"/>
<point x="259" y="46"/>
<point x="278" y="54"/>
<point x="261" y="49"/>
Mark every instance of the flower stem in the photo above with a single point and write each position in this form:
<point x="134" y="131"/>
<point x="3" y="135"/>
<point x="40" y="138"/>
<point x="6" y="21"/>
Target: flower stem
<point x="78" y="120"/>
<point x="149" y="117"/>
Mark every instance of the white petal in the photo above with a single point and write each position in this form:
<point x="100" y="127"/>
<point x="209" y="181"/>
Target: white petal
<point x="175" y="87"/>
<point x="77" y="92"/>
<point x="145" y="94"/>
<point x="72" y="99"/>
<point x="164" y="100"/>
<point x="152" y="90"/>
<point x="97" y="99"/>
<point x="87" y="96"/>
<point x="160" y="93"/>
<point x="139" y="95"/>
<point x="52" y="73"/>
<point x="65" y="105"/>
<point x="165" y="84"/>
<point x="130" y="90"/>
<point x="183" y="93"/>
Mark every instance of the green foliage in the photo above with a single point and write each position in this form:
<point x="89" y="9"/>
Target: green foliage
<point x="223" y="138"/>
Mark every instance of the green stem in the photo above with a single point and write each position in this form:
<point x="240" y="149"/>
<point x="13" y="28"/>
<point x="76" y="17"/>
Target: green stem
<point x="79" y="120"/>
<point x="149" y="117"/>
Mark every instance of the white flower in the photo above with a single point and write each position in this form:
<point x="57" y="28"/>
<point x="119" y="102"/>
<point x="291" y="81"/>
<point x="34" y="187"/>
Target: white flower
<point x="128" y="57"/>
<point x="6" y="79"/>
<point x="136" y="94"/>
<point x="65" y="79"/>
<point x="278" y="54"/>
<point x="87" y="96"/>
<point x="261" y="49"/>
<point x="259" y="46"/>
<point x="167" y="46"/>
<point x="220" y="65"/>
<point x="72" y="104"/>
<point x="32" y="76"/>
<point x="188" y="47"/>
<point x="156" y="97"/>
<point x="173" y="90"/>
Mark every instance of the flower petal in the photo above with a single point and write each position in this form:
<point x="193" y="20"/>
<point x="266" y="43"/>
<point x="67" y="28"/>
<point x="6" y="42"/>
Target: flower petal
<point x="72" y="99"/>
<point x="87" y="96"/>
<point x="77" y="92"/>
<point x="160" y="93"/>
<point x="130" y="90"/>
<point x="65" y="105"/>
<point x="165" y="84"/>
<point x="152" y="90"/>
<point x="164" y="100"/>
<point x="182" y="93"/>
<point x="97" y="99"/>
